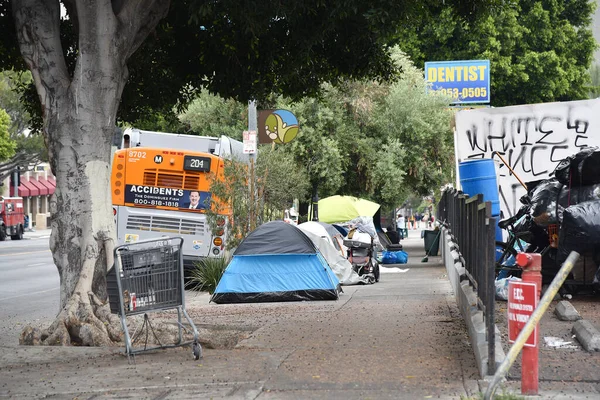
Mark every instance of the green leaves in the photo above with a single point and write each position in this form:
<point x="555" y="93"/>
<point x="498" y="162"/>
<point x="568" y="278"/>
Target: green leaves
<point x="207" y="273"/>
<point x="380" y="141"/>
<point x="420" y="122"/>
<point x="211" y="115"/>
<point x="7" y="145"/>
<point x="539" y="51"/>
<point x="373" y="140"/>
<point x="256" y="193"/>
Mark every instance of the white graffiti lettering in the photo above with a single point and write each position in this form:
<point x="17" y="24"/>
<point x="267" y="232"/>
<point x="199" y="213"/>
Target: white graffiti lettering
<point x="532" y="139"/>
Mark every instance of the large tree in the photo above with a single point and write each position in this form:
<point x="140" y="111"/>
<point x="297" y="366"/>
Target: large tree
<point x="80" y="67"/>
<point x="539" y="51"/>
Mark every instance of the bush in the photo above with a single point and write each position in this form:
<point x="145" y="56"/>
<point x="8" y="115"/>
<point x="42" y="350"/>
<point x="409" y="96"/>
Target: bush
<point x="207" y="273"/>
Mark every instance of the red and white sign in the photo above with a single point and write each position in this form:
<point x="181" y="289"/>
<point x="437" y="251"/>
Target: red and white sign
<point x="249" y="140"/>
<point x="522" y="301"/>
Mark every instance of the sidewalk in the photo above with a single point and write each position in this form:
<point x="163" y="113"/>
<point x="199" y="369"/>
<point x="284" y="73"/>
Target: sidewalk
<point x="36" y="233"/>
<point x="402" y="338"/>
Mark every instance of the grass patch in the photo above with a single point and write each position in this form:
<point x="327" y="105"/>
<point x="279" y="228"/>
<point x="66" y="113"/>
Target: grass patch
<point x="207" y="273"/>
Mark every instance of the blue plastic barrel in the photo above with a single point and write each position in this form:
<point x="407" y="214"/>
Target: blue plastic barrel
<point x="479" y="176"/>
<point x="499" y="236"/>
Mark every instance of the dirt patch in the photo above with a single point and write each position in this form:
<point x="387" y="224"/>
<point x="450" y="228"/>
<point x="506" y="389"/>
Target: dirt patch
<point x="164" y="330"/>
<point x="569" y="362"/>
<point x="220" y="337"/>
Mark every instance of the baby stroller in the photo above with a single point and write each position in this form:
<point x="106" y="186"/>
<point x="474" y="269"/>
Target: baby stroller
<point x="361" y="254"/>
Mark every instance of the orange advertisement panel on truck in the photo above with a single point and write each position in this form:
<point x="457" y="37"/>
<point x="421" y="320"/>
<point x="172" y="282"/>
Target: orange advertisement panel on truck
<point x="12" y="219"/>
<point x="166" y="192"/>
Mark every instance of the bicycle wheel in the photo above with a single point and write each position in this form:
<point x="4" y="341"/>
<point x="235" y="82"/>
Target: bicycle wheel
<point x="504" y="251"/>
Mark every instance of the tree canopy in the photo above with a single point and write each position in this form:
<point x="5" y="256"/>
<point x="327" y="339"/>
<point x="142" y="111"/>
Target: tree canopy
<point x="212" y="115"/>
<point x="376" y="140"/>
<point x="539" y="51"/>
<point x="248" y="50"/>
<point x="381" y="141"/>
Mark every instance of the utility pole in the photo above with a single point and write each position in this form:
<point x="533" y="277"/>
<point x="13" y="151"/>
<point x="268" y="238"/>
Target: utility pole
<point x="315" y="201"/>
<point x="252" y="126"/>
<point x="16" y="181"/>
<point x="252" y="120"/>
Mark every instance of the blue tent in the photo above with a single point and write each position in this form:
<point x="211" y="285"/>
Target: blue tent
<point x="276" y="262"/>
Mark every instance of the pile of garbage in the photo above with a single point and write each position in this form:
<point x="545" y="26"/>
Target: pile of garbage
<point x="571" y="202"/>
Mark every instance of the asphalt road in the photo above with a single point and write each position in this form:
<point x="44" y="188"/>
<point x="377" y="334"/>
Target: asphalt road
<point x="29" y="287"/>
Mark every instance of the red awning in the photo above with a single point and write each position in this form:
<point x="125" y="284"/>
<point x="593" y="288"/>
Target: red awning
<point x="33" y="190"/>
<point x="42" y="189"/>
<point x="49" y="185"/>
<point x="23" y="191"/>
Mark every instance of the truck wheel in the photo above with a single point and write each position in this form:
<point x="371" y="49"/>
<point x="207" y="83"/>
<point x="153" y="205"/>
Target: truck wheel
<point x="2" y="234"/>
<point x="19" y="234"/>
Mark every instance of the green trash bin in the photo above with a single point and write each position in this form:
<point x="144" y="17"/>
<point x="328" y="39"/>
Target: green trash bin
<point x="432" y="242"/>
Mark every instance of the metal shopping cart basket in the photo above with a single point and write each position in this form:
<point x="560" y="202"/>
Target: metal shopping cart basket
<point x="148" y="276"/>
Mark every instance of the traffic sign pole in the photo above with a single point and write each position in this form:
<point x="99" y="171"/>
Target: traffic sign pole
<point x="516" y="348"/>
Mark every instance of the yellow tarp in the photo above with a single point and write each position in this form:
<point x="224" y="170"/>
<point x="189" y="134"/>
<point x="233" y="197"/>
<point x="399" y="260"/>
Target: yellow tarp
<point x="345" y="208"/>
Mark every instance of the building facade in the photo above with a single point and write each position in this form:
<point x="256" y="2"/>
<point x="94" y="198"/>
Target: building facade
<point x="35" y="188"/>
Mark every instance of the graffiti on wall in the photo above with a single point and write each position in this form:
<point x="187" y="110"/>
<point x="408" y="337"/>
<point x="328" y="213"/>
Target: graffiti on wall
<point x="532" y="139"/>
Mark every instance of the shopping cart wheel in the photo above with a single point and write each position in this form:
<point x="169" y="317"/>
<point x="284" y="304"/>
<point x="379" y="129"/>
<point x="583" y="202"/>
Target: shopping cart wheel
<point x="197" y="350"/>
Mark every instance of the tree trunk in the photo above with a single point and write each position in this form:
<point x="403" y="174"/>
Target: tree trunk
<point x="79" y="114"/>
<point x="79" y="135"/>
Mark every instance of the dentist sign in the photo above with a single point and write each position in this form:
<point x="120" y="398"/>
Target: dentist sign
<point x="464" y="81"/>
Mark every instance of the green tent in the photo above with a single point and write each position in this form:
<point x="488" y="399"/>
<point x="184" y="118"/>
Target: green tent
<point x="345" y="208"/>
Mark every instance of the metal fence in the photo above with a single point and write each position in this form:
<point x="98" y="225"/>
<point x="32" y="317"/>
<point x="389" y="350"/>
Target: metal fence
<point x="469" y="222"/>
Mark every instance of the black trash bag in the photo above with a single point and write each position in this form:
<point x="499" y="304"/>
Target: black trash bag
<point x="544" y="199"/>
<point x="532" y="185"/>
<point x="580" y="230"/>
<point x="582" y="168"/>
<point x="550" y="198"/>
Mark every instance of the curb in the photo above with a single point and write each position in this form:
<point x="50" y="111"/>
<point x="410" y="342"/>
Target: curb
<point x="566" y="312"/>
<point x="587" y="334"/>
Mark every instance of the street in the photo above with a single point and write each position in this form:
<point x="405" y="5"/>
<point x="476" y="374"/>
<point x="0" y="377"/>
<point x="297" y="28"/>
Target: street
<point x="29" y="286"/>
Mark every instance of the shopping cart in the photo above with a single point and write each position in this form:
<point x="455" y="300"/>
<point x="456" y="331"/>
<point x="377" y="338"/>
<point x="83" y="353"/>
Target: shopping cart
<point x="148" y="276"/>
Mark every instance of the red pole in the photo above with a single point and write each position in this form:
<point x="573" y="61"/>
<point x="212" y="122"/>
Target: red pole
<point x="532" y="272"/>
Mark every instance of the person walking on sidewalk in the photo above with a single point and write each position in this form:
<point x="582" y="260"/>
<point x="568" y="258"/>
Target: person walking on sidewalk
<point x="400" y="225"/>
<point x="412" y="222"/>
